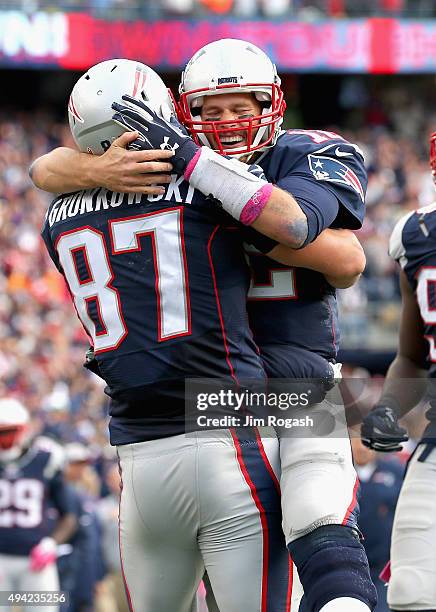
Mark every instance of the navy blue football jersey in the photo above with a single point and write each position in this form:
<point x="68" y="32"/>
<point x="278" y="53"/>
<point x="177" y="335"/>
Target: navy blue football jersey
<point x="159" y="284"/>
<point x="294" y="307"/>
<point x="30" y="488"/>
<point x="413" y="245"/>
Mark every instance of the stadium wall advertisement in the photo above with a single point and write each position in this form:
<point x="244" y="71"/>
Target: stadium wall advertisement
<point x="77" y="40"/>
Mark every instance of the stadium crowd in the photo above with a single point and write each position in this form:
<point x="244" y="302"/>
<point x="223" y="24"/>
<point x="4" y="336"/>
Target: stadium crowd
<point x="42" y="347"/>
<point x="293" y="9"/>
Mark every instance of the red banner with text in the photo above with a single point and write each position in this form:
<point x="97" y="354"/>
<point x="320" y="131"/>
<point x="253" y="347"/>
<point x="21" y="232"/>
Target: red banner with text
<point x="78" y="40"/>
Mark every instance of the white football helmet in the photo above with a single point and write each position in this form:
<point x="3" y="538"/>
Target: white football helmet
<point x="232" y="66"/>
<point x="89" y="108"/>
<point x="14" y="421"/>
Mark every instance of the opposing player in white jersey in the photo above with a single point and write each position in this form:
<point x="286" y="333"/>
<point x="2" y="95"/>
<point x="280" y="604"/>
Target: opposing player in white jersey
<point x="234" y="479"/>
<point x="31" y="489"/>
<point x="412" y="584"/>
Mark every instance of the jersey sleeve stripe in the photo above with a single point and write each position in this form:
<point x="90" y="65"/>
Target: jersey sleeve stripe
<point x="218" y="304"/>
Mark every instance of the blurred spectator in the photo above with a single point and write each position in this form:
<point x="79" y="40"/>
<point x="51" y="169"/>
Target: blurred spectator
<point x="392" y="7"/>
<point x="111" y="595"/>
<point x="41" y="345"/>
<point x="82" y="567"/>
<point x="380" y="483"/>
<point x="220" y="7"/>
<point x="178" y="7"/>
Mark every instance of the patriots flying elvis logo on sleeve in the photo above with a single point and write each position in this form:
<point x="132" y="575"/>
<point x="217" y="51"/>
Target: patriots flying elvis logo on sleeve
<point x="330" y="169"/>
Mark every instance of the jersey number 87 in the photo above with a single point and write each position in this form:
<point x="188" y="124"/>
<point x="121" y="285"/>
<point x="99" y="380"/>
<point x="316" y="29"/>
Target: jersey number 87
<point x="107" y="328"/>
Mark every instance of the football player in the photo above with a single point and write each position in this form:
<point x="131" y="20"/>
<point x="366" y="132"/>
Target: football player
<point x="125" y="258"/>
<point x="232" y="102"/>
<point x="230" y="99"/>
<point x="412" y="585"/>
<point x="31" y="485"/>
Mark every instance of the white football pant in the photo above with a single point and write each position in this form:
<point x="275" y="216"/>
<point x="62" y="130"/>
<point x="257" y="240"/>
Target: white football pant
<point x="15" y="575"/>
<point x="318" y="480"/>
<point x="413" y="547"/>
<point x="206" y="500"/>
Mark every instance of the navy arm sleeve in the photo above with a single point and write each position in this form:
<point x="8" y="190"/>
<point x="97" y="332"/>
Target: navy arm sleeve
<point x="324" y="173"/>
<point x="320" y="205"/>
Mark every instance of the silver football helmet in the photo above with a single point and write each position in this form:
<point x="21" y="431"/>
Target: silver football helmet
<point x="89" y="108"/>
<point x="232" y="66"/>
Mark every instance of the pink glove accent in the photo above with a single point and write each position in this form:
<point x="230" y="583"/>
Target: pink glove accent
<point x="385" y="574"/>
<point x="43" y="554"/>
<point x="190" y="167"/>
<point x="256" y="204"/>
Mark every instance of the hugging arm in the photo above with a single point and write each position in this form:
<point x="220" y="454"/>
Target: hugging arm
<point x="244" y="194"/>
<point x="336" y="253"/>
<point x="64" y="170"/>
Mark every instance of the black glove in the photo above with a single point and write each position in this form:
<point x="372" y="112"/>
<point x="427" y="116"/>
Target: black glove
<point x="156" y="132"/>
<point x="91" y="362"/>
<point x="381" y="431"/>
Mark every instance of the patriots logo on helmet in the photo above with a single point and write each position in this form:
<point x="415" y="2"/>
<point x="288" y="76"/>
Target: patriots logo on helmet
<point x="330" y="169"/>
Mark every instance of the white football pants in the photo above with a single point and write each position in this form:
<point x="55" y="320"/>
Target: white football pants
<point x="318" y="480"/>
<point x="413" y="547"/>
<point x="208" y="500"/>
<point x="15" y="575"/>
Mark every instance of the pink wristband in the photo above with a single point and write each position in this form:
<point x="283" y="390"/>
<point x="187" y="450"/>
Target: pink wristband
<point x="256" y="204"/>
<point x="190" y="167"/>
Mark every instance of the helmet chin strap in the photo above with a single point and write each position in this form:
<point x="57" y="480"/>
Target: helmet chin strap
<point x="203" y="139"/>
<point x="262" y="134"/>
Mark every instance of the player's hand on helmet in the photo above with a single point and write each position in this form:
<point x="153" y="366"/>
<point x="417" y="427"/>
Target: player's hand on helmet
<point x="132" y="171"/>
<point x="155" y="132"/>
<point x="43" y="554"/>
<point x="381" y="430"/>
